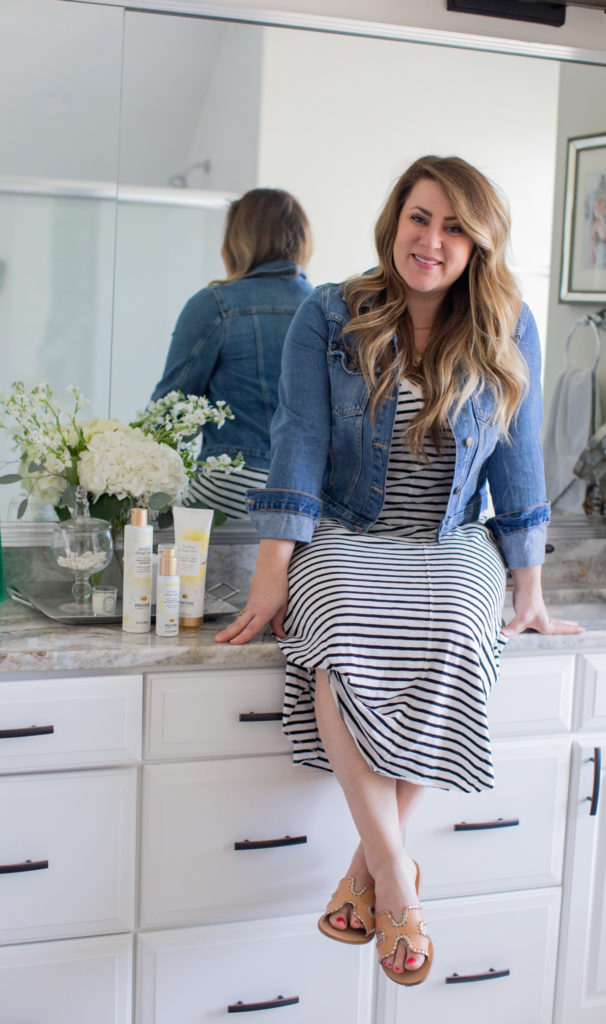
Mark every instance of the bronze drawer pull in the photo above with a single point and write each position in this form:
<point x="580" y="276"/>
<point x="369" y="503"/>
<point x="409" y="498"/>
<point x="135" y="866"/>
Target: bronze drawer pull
<point x="457" y="979"/>
<point x="597" y="769"/>
<point x="26" y="865"/>
<point x="261" y="716"/>
<point x="476" y="826"/>
<point x="32" y="730"/>
<point x="266" y="844"/>
<point x="241" y="1007"/>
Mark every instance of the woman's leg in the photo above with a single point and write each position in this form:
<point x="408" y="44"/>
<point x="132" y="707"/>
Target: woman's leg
<point x="376" y="803"/>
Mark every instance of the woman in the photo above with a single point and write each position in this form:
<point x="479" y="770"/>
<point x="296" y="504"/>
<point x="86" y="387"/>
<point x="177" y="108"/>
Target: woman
<point x="228" y="340"/>
<point x="403" y="392"/>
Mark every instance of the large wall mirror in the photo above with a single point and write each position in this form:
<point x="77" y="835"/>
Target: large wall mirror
<point x="130" y="131"/>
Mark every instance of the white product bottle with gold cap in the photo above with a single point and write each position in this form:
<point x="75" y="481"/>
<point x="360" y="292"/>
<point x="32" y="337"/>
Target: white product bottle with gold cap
<point x="167" y="592"/>
<point x="137" y="581"/>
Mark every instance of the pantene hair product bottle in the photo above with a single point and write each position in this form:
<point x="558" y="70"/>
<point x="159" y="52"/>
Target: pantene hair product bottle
<point x="167" y="592"/>
<point x="136" y="591"/>
<point x="192" y="534"/>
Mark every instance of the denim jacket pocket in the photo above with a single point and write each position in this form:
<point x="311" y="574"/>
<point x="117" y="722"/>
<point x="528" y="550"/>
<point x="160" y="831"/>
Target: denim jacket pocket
<point x="348" y="390"/>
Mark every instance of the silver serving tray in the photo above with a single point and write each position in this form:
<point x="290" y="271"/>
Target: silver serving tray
<point x="56" y="602"/>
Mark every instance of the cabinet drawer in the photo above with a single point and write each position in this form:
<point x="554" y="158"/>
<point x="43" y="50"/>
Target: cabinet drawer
<point x="67" y="854"/>
<point x="533" y="695"/>
<point x="68" y="982"/>
<point x="495" y="854"/>
<point x="198" y="973"/>
<point x="592" y="692"/>
<point x="209" y="714"/>
<point x="483" y="936"/>
<point x="67" y="723"/>
<point x="194" y="814"/>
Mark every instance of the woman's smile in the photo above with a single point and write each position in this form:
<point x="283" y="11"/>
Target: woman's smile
<point x="431" y="248"/>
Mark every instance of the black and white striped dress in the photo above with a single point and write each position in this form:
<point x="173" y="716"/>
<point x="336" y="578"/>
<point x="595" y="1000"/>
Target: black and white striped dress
<point x="225" y="491"/>
<point x="408" y="628"/>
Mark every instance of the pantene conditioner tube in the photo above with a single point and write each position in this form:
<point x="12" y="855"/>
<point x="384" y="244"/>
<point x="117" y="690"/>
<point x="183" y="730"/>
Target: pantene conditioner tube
<point x="192" y="533"/>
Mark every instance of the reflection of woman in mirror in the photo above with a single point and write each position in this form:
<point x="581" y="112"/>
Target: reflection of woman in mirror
<point x="228" y="340"/>
<point x="404" y="392"/>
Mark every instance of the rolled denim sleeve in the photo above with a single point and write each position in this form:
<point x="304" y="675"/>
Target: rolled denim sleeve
<point x="194" y="349"/>
<point x="290" y="506"/>
<point x="515" y="470"/>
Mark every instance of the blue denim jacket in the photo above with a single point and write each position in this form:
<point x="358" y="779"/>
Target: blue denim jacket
<point x="328" y="459"/>
<point x="227" y="344"/>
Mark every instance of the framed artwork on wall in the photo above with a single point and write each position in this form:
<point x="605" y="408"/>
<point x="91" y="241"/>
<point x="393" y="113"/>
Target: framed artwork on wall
<point x="583" y="276"/>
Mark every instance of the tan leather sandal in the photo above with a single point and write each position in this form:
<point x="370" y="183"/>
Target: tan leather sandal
<point x="413" y="931"/>
<point x="362" y="902"/>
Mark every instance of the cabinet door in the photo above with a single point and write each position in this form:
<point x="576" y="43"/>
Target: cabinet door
<point x="202" y="974"/>
<point x="534" y="695"/>
<point x="215" y="713"/>
<point x="511" y="837"/>
<point x="70" y="723"/>
<point x="494" y="961"/>
<point x="581" y="994"/>
<point x="592" y="692"/>
<point x="76" y="981"/>
<point x="67" y="854"/>
<point x="242" y="838"/>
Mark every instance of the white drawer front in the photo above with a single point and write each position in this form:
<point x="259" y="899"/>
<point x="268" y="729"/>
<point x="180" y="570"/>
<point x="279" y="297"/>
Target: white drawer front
<point x="532" y="788"/>
<point x="78" y="981"/>
<point x="592" y="692"/>
<point x="533" y="695"/>
<point x="70" y="722"/>
<point x="196" y="974"/>
<point x="471" y="937"/>
<point x="78" y="831"/>
<point x="198" y="714"/>
<point x="194" y="813"/>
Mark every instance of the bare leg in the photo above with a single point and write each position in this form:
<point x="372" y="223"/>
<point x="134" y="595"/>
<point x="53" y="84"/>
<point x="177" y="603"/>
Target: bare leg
<point x="376" y="803"/>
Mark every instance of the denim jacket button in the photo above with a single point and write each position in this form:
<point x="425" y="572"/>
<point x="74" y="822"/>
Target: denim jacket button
<point x="468" y="442"/>
<point x="456" y="490"/>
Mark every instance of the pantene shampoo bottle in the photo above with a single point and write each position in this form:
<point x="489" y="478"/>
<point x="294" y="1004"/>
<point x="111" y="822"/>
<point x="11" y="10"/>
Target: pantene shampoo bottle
<point x="167" y="592"/>
<point x="137" y="585"/>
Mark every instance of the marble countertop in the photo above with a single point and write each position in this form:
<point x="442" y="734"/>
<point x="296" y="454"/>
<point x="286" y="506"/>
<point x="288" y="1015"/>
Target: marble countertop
<point x="31" y="642"/>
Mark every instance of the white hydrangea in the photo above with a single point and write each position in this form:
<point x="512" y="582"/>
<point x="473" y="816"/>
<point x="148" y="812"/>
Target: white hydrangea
<point x="127" y="463"/>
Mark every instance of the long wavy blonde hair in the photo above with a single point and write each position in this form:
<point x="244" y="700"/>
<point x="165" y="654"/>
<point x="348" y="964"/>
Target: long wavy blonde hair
<point x="471" y="344"/>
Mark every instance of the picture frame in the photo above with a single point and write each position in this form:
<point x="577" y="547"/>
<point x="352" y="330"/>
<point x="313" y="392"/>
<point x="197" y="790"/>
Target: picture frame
<point x="583" y="274"/>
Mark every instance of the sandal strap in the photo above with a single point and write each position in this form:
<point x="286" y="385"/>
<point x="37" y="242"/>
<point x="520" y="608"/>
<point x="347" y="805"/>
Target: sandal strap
<point x="411" y="929"/>
<point x="361" y="900"/>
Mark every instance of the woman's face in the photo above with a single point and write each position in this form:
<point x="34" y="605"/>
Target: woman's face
<point x="431" y="249"/>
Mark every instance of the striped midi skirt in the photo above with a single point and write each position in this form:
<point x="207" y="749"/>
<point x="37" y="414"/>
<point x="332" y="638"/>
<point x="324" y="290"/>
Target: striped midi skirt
<point x="409" y="632"/>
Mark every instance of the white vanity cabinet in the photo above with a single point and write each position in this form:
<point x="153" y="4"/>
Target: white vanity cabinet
<point x="172" y="840"/>
<point x="582" y="979"/>
<point x="69" y="754"/>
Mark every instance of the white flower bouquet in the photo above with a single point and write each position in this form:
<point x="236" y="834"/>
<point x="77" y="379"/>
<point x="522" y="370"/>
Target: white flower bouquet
<point x="147" y="462"/>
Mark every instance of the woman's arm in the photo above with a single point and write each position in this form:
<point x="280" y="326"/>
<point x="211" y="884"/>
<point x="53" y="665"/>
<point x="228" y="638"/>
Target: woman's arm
<point x="268" y="595"/>
<point x="529" y="606"/>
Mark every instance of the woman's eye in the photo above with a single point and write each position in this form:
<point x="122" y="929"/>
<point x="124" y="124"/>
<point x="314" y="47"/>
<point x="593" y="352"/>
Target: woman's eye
<point x="418" y="219"/>
<point x="455" y="229"/>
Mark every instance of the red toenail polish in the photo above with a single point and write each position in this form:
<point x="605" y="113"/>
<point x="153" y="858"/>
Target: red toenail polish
<point x="411" y="960"/>
<point x="342" y="919"/>
<point x="396" y="968"/>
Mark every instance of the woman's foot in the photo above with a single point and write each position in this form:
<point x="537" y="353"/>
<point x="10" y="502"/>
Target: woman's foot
<point x="345" y="918"/>
<point x="396" y="889"/>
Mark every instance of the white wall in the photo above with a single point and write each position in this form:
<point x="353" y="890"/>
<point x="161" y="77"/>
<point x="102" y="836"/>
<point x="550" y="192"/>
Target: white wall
<point x="371" y="106"/>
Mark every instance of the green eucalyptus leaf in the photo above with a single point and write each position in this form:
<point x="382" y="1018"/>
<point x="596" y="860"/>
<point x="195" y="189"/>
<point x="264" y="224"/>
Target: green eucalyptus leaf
<point x="22" y="508"/>
<point x="68" y="498"/>
<point x="35" y="467"/>
<point x="11" y="478"/>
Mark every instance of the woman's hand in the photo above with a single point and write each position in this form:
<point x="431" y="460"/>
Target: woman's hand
<point x="268" y="595"/>
<point x="529" y="606"/>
